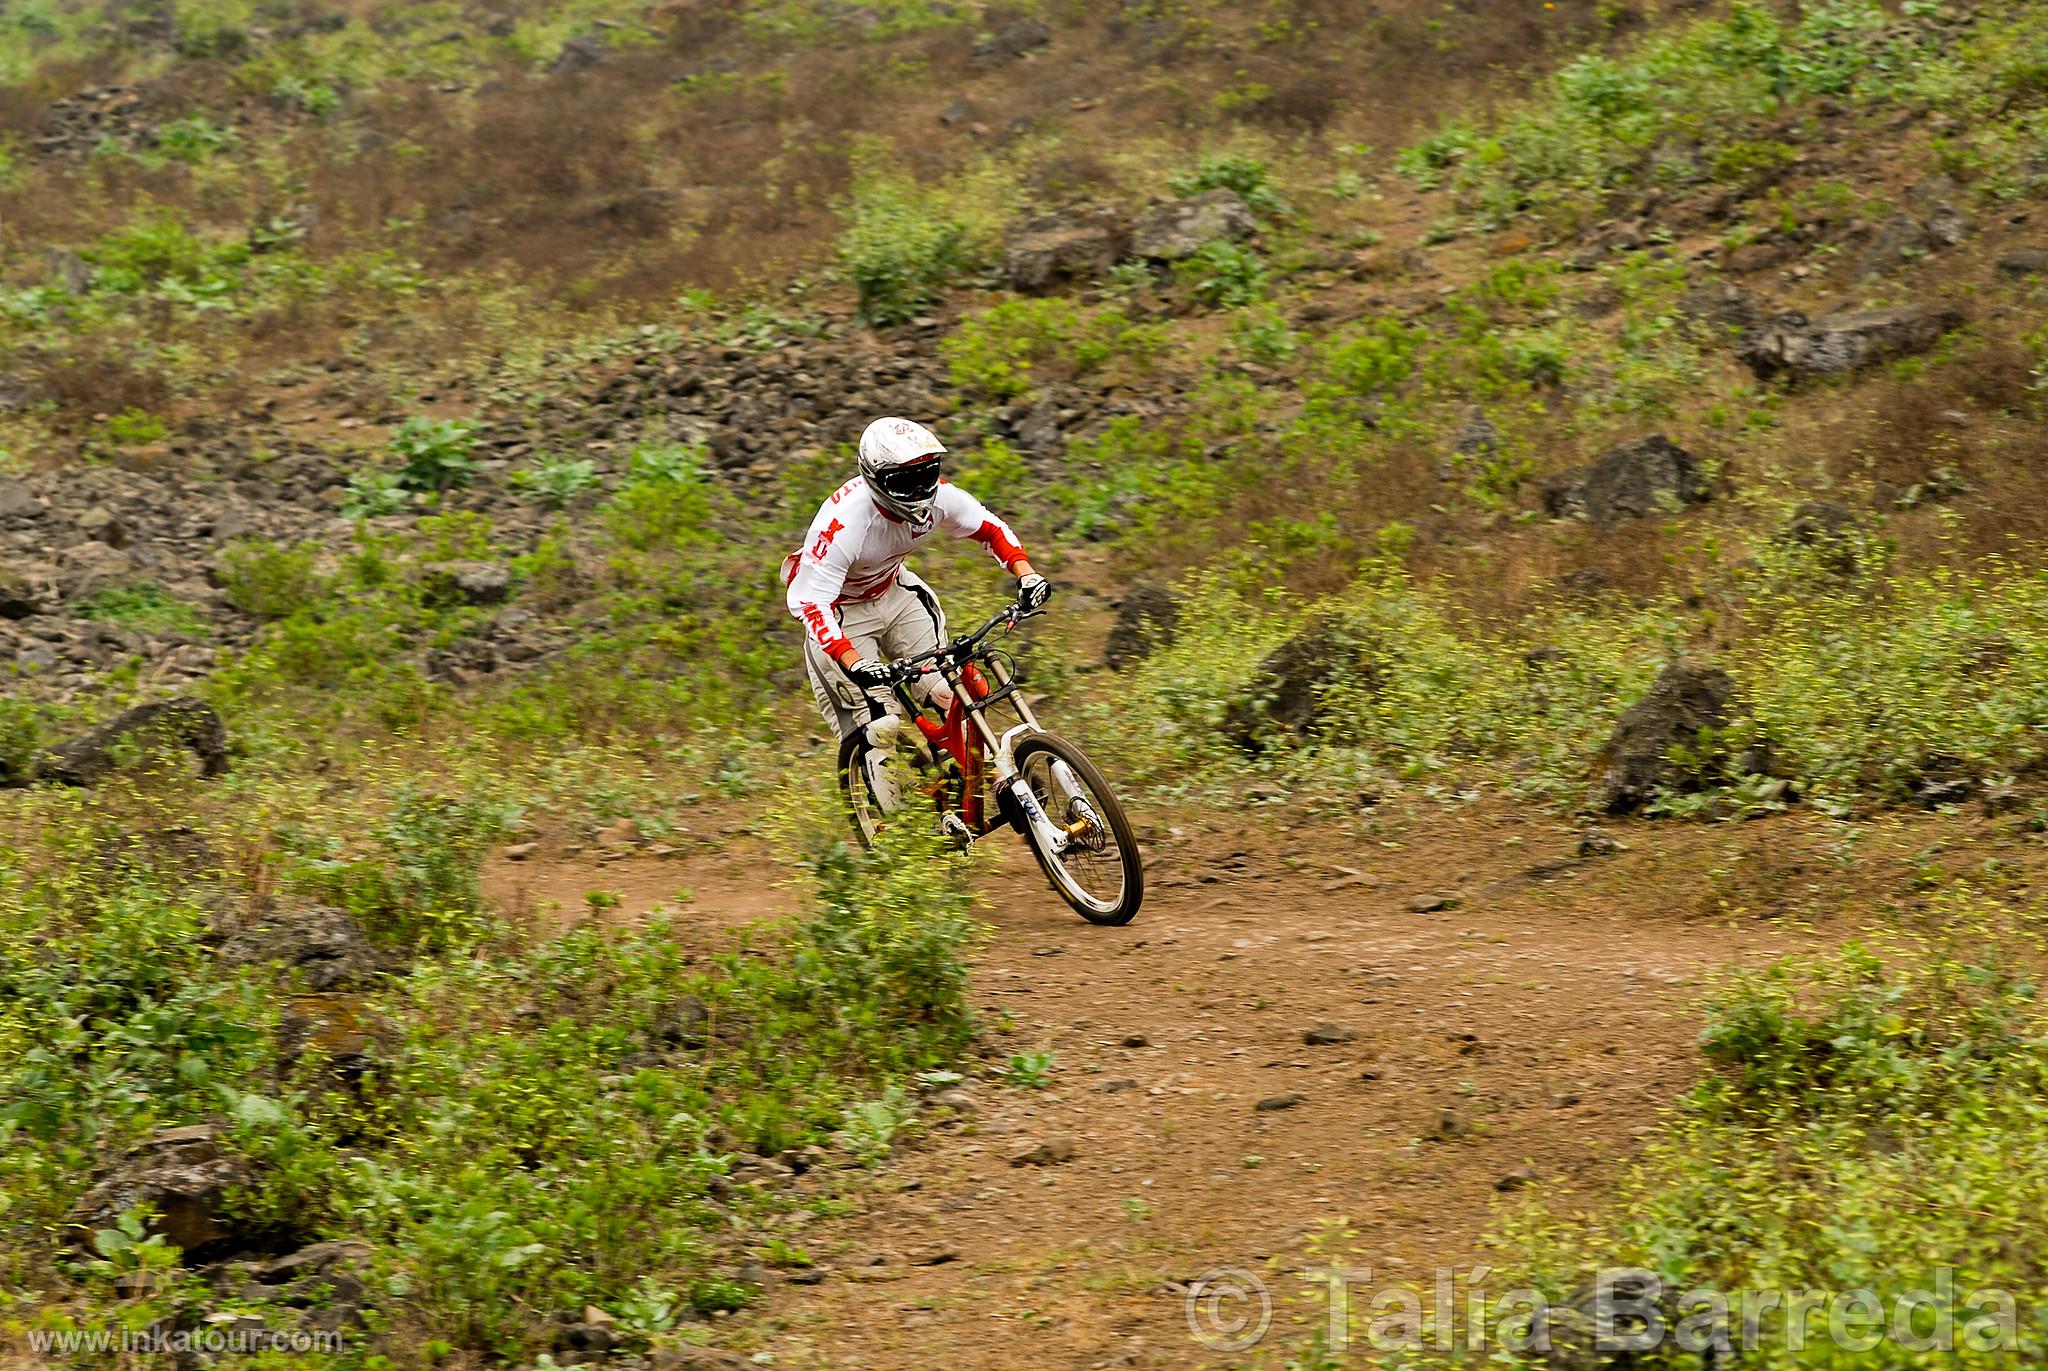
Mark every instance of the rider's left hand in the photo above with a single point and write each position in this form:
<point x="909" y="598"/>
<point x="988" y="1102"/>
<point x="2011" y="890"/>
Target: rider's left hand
<point x="1033" y="591"/>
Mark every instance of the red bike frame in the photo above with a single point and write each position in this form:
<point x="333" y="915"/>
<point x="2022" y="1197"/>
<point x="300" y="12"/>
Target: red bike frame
<point x="963" y="744"/>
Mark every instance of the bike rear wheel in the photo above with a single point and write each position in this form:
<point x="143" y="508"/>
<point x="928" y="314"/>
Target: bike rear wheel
<point x="1097" y="869"/>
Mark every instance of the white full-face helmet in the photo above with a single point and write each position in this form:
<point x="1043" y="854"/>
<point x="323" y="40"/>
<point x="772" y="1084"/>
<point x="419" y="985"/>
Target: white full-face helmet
<point x="900" y="460"/>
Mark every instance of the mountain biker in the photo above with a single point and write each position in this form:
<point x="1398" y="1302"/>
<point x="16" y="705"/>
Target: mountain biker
<point x="859" y="605"/>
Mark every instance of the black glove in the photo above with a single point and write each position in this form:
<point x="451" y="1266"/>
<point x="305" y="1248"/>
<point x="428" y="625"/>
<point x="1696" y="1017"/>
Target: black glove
<point x="868" y="675"/>
<point x="1033" y="591"/>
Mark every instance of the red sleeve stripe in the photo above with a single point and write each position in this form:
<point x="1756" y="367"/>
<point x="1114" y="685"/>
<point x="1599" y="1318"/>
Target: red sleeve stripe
<point x="824" y="631"/>
<point x="992" y="536"/>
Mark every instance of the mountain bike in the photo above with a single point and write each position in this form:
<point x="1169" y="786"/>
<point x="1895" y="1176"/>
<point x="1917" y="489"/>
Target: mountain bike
<point x="980" y="771"/>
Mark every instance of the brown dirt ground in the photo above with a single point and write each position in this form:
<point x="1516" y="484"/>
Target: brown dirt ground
<point x="1540" y="1025"/>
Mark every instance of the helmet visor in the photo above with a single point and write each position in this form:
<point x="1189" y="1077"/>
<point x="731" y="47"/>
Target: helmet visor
<point x="911" y="484"/>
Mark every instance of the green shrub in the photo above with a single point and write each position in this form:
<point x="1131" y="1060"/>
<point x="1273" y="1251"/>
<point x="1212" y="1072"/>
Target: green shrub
<point x="994" y="351"/>
<point x="144" y="606"/>
<point x="1683" y="105"/>
<point x="269" y="580"/>
<point x="157" y="249"/>
<point x="419" y="888"/>
<point x="1850" y="1089"/>
<point x="1224" y="274"/>
<point x="194" y="139"/>
<point x="373" y="494"/>
<point x="1247" y="176"/>
<point x="1264" y="337"/>
<point x="134" y="427"/>
<point x="435" y="453"/>
<point x="553" y="484"/>
<point x="308" y="94"/>
<point x="900" y="250"/>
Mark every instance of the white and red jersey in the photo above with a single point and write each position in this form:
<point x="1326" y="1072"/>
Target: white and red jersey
<point x="855" y="548"/>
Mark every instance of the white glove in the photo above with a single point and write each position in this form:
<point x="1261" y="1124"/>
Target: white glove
<point x="1033" y="591"/>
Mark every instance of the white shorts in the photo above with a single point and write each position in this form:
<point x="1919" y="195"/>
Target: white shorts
<point x="902" y="621"/>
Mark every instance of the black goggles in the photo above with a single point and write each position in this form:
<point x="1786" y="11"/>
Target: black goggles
<point x="919" y="482"/>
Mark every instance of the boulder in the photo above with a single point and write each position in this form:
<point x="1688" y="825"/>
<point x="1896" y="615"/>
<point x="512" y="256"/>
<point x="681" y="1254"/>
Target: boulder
<point x="319" y="1259"/>
<point x="162" y="723"/>
<point x="1285" y="693"/>
<point x="1721" y="304"/>
<point x="1901" y="238"/>
<point x="1478" y="438"/>
<point x="1628" y="482"/>
<point x="92" y="566"/>
<point x="2023" y="262"/>
<point x="1147" y="619"/>
<point x="1687" y="699"/>
<point x="580" y="54"/>
<point x="1830" y="529"/>
<point x="1071" y="245"/>
<point x="1947" y="226"/>
<point x="1802" y="349"/>
<point x="1010" y="42"/>
<point x="101" y="524"/>
<point x="19" y="596"/>
<point x="323" y="944"/>
<point x="1170" y="232"/>
<point x="188" y="1178"/>
<point x="469" y="583"/>
<point x="17" y="502"/>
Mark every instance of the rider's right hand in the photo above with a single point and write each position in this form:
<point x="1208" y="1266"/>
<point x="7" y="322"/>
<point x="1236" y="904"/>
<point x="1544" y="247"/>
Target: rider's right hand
<point x="868" y="675"/>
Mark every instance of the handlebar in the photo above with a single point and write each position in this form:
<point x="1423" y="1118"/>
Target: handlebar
<point x="907" y="669"/>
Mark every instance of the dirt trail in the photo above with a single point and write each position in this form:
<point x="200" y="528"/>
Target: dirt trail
<point x="1533" y="1027"/>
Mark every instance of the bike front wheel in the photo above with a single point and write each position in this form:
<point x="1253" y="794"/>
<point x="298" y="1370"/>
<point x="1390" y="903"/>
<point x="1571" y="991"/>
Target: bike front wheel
<point x="868" y="811"/>
<point x="1096" y="867"/>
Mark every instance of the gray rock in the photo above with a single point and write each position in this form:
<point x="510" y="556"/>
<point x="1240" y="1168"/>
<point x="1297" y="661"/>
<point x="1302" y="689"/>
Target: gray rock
<point x="1830" y="529"/>
<point x="1037" y="430"/>
<point x="1598" y="842"/>
<point x="1627" y="482"/>
<point x="1721" y="304"/>
<point x="1947" y="226"/>
<point x="1285" y="693"/>
<point x="1901" y="238"/>
<point x="315" y="1260"/>
<point x="103" y="525"/>
<point x="470" y="583"/>
<point x="19" y="596"/>
<point x="1012" y="41"/>
<point x="1272" y="1104"/>
<point x="1478" y="439"/>
<point x="1147" y="619"/>
<point x="93" y="566"/>
<point x="323" y="944"/>
<point x="1048" y="1151"/>
<point x="1071" y="245"/>
<point x="17" y="502"/>
<point x="580" y="54"/>
<point x="1328" y="1033"/>
<point x="1684" y="701"/>
<point x="187" y="1177"/>
<point x="1802" y="349"/>
<point x="2023" y="262"/>
<point x="1170" y="232"/>
<point x="189" y="724"/>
